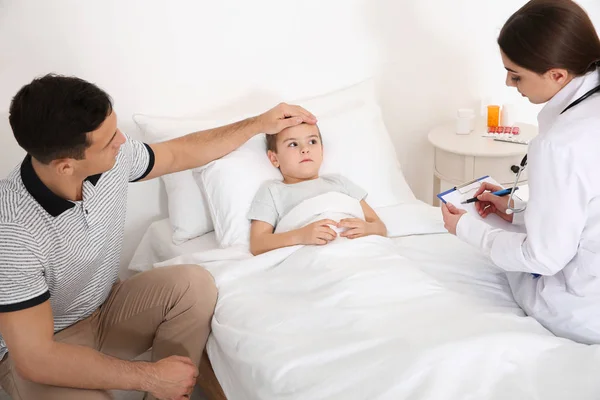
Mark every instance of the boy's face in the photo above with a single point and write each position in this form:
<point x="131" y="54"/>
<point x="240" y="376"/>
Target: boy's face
<point x="299" y="152"/>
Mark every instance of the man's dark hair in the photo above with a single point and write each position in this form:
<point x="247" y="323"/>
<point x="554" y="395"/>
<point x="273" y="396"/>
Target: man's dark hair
<point x="52" y="116"/>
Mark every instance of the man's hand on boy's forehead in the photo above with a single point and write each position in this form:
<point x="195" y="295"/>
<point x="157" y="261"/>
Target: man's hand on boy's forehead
<point x="284" y="116"/>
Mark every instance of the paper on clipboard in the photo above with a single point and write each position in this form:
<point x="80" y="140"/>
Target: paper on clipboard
<point x="456" y="196"/>
<point x="475" y="185"/>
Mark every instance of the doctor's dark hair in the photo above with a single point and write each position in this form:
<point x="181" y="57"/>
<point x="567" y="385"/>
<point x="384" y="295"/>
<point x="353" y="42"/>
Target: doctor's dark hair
<point x="546" y="34"/>
<point x="272" y="141"/>
<point x="52" y="115"/>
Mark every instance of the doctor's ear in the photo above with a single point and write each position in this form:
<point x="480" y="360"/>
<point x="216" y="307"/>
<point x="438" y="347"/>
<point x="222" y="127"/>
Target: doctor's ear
<point x="273" y="158"/>
<point x="558" y="75"/>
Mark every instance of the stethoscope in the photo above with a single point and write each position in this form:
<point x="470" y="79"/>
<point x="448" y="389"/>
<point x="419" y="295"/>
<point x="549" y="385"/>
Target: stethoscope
<point x="523" y="164"/>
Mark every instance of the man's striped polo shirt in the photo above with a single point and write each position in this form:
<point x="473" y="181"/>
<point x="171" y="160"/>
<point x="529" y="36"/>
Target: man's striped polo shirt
<point x="65" y="251"/>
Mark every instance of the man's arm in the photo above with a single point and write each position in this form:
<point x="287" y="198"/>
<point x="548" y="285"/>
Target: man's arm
<point x="38" y="358"/>
<point x="200" y="148"/>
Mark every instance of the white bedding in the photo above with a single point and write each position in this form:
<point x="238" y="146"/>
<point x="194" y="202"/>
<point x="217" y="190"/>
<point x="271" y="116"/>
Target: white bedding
<point x="420" y="317"/>
<point x="157" y="245"/>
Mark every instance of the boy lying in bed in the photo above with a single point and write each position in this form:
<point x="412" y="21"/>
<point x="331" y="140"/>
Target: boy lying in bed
<point x="298" y="153"/>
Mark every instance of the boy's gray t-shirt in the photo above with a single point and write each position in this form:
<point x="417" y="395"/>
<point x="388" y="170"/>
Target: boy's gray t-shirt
<point x="275" y="199"/>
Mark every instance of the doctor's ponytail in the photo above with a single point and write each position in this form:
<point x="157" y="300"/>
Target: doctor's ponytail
<point x="546" y="34"/>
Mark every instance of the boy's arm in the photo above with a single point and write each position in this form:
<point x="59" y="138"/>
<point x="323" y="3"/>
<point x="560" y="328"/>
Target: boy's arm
<point x="262" y="238"/>
<point x="375" y="225"/>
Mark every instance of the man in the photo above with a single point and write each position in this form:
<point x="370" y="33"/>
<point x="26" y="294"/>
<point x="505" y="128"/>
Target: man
<point x="67" y="324"/>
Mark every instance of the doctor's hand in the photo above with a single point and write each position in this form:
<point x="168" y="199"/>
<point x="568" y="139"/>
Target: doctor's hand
<point x="489" y="203"/>
<point x="283" y="116"/>
<point x="451" y="216"/>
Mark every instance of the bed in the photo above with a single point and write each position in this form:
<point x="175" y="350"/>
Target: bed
<point x="415" y="315"/>
<point x="458" y="335"/>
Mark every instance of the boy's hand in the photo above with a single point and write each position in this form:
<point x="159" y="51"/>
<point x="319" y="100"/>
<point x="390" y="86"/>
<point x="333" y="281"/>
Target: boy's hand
<point x="318" y="233"/>
<point x="283" y="116"/>
<point x="356" y="228"/>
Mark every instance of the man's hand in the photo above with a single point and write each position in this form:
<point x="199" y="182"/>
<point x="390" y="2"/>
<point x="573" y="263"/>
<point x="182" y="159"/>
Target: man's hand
<point x="451" y="217"/>
<point x="172" y="378"/>
<point x="283" y="116"/>
<point x="318" y="233"/>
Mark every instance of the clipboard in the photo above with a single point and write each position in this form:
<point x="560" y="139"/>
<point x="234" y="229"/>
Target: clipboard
<point x="458" y="194"/>
<point x="471" y="186"/>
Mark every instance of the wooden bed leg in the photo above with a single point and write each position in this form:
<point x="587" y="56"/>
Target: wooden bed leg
<point x="207" y="380"/>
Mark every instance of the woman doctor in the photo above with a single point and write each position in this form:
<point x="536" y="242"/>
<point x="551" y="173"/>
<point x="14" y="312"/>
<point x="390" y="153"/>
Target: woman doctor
<point x="551" y="52"/>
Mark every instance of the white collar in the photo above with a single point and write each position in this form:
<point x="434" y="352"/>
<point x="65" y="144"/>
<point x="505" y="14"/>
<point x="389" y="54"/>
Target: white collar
<point x="570" y="93"/>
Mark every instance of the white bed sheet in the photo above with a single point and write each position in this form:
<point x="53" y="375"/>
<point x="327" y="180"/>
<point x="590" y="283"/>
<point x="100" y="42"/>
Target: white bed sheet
<point x="157" y="246"/>
<point x="484" y="349"/>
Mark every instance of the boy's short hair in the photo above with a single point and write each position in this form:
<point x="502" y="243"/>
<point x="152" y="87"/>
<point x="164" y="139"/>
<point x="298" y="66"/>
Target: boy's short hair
<point x="272" y="140"/>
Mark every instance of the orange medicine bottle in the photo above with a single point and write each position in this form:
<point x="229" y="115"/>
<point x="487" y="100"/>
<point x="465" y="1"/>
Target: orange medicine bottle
<point x="493" y="116"/>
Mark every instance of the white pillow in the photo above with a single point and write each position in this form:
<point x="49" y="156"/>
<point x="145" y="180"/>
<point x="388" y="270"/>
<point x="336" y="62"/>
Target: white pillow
<point x="188" y="211"/>
<point x="343" y="99"/>
<point x="230" y="184"/>
<point x="356" y="144"/>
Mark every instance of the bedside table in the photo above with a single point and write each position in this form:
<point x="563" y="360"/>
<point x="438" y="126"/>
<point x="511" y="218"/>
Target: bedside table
<point x="461" y="158"/>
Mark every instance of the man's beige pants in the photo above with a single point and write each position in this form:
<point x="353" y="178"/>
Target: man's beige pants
<point x="167" y="309"/>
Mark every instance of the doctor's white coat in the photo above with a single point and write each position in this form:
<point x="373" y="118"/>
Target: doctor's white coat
<point x="562" y="220"/>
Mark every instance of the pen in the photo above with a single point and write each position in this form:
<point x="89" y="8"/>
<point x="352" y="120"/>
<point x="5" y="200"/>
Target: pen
<point x="499" y="193"/>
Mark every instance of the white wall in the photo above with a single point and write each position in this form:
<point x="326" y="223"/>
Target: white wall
<point x="188" y="56"/>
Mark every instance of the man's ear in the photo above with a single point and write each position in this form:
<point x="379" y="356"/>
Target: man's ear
<point x="273" y="158"/>
<point x="63" y="166"/>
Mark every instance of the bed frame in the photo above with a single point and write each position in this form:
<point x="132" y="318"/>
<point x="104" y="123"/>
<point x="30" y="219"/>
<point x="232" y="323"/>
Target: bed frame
<point x="207" y="380"/>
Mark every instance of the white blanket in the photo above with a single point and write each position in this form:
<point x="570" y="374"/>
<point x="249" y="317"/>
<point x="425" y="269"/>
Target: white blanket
<point x="357" y="319"/>
<point x="333" y="205"/>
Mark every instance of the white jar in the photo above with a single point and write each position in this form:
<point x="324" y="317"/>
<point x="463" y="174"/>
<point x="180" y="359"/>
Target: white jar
<point x="465" y="121"/>
<point x="508" y="115"/>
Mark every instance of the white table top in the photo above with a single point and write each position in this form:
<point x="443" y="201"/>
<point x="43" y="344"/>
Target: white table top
<point x="444" y="138"/>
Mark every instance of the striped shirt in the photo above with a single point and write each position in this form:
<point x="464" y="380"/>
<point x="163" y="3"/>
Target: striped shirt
<point x="65" y="251"/>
